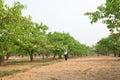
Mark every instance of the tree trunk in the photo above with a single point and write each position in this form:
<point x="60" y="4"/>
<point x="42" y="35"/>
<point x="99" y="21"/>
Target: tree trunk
<point x="31" y="57"/>
<point x="35" y="55"/>
<point x="118" y="55"/>
<point x="54" y="57"/>
<point x="98" y="54"/>
<point x="1" y="60"/>
<point x="115" y="55"/>
<point x="7" y="56"/>
<point x="60" y="56"/>
<point x="46" y="56"/>
<point x="43" y="56"/>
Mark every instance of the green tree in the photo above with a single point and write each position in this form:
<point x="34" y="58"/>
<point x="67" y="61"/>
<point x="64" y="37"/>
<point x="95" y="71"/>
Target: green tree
<point x="10" y="18"/>
<point x="109" y="13"/>
<point x="103" y="47"/>
<point x="56" y="41"/>
<point x="115" y="44"/>
<point x="41" y="38"/>
<point x="32" y="38"/>
<point x="108" y="45"/>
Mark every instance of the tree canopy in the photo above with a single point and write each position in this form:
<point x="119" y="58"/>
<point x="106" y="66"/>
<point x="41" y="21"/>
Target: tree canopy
<point x="109" y="13"/>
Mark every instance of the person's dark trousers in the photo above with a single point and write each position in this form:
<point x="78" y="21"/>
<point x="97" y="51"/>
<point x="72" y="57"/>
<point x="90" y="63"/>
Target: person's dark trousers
<point x="66" y="57"/>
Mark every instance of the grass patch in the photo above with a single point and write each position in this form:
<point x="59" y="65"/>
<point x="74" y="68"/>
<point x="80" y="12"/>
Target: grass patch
<point x="24" y="62"/>
<point x="17" y="62"/>
<point x="7" y="73"/>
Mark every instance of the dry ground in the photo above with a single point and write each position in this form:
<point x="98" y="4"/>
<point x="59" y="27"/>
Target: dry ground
<point x="85" y="68"/>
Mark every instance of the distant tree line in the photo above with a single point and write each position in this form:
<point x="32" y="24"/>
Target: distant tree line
<point x="109" y="45"/>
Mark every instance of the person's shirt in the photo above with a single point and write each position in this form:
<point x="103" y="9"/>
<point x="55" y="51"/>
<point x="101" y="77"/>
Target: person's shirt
<point x="65" y="52"/>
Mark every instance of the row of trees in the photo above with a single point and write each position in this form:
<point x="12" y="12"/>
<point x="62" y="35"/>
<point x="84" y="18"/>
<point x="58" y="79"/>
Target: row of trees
<point x="109" y="45"/>
<point x="109" y="14"/>
<point x="19" y="35"/>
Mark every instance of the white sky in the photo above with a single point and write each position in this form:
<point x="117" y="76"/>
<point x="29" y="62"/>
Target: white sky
<point x="67" y="16"/>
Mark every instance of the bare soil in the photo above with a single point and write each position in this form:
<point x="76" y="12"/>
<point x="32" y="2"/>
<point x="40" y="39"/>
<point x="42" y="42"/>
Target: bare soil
<point x="84" y="68"/>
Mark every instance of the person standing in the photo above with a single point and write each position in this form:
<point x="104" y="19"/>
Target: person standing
<point x="65" y="55"/>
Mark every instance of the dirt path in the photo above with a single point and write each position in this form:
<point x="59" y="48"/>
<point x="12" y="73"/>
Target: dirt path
<point x="88" y="68"/>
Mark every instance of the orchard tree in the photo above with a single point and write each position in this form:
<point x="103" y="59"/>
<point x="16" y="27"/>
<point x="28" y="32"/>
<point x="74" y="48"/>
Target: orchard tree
<point x="41" y="38"/>
<point x="56" y="41"/>
<point x="109" y="45"/>
<point x="109" y="13"/>
<point x="115" y="42"/>
<point x="103" y="47"/>
<point x="78" y="49"/>
<point x="32" y="37"/>
<point x="26" y="38"/>
<point x="10" y="21"/>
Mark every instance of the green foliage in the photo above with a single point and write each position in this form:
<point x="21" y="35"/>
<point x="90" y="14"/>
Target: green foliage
<point x="56" y="42"/>
<point x="109" y="13"/>
<point x="115" y="41"/>
<point x="108" y="45"/>
<point x="10" y="18"/>
<point x="103" y="46"/>
<point x="62" y="41"/>
<point x="19" y="34"/>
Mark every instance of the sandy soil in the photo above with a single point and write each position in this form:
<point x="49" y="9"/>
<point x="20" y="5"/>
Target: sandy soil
<point x="85" y="68"/>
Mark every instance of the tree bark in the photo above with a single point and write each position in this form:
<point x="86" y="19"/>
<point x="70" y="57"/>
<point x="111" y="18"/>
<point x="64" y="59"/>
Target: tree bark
<point x="31" y="57"/>
<point x="54" y="56"/>
<point x="43" y="56"/>
<point x="7" y="56"/>
<point x="60" y="56"/>
<point x="1" y="60"/>
<point x="115" y="54"/>
<point x="46" y="56"/>
<point x="118" y="55"/>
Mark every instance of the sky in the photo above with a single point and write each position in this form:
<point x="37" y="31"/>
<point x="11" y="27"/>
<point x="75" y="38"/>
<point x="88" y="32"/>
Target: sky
<point x="67" y="16"/>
